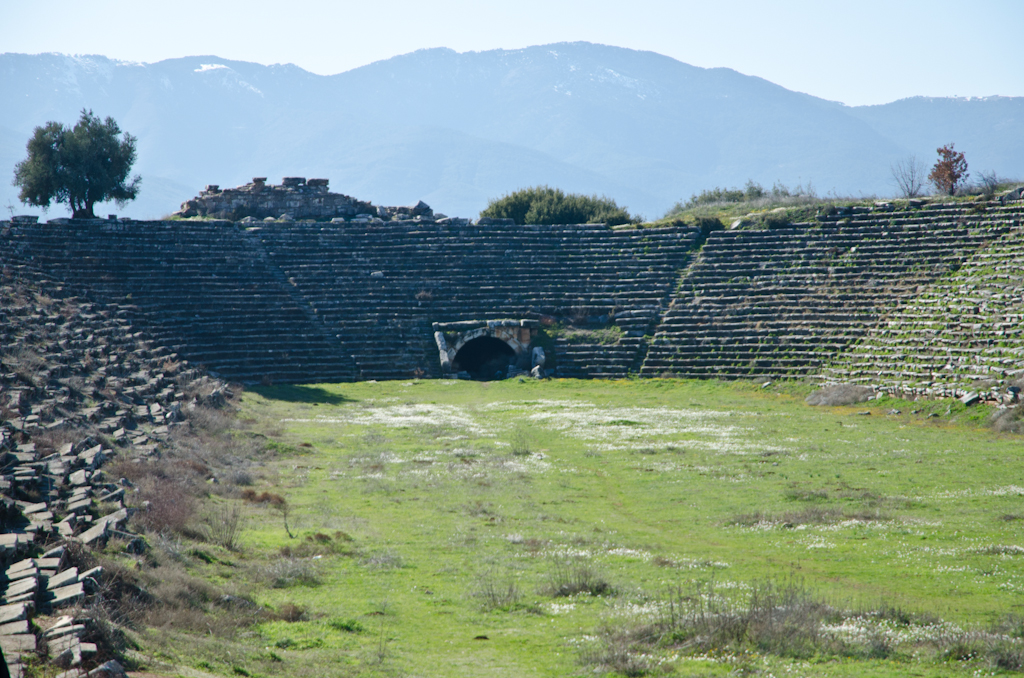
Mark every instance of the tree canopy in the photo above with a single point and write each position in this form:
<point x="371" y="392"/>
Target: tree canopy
<point x="546" y="205"/>
<point x="80" y="165"/>
<point x="950" y="171"/>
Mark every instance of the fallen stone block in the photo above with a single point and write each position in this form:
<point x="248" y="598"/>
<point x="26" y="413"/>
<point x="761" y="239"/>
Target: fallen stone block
<point x="94" y="573"/>
<point x="111" y="669"/>
<point x="66" y="595"/>
<point x="18" y="644"/>
<point x="60" y="644"/>
<point x="970" y="398"/>
<point x="65" y="578"/>
<point x="80" y="505"/>
<point x="12" y="628"/>
<point x="60" y="631"/>
<point x="16" y="612"/>
<point x="93" y="534"/>
<point x="27" y="597"/>
<point x="21" y="586"/>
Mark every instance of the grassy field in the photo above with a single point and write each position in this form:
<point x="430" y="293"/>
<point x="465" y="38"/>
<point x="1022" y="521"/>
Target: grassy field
<point x="557" y="528"/>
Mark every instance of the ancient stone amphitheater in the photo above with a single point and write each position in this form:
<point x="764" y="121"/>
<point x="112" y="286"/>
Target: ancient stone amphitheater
<point x="915" y="297"/>
<point x="107" y="328"/>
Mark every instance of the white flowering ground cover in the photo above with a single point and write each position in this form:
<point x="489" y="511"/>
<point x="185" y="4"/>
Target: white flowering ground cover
<point x="457" y="503"/>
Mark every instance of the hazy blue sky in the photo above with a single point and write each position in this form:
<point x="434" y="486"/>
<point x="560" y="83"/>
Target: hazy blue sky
<point x="856" y="51"/>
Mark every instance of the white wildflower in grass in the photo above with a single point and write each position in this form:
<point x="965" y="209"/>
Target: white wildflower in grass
<point x="405" y="416"/>
<point x="648" y="611"/>
<point x="560" y="608"/>
<point x="632" y="554"/>
<point x="818" y="542"/>
<point x="566" y="552"/>
<point x="1004" y="550"/>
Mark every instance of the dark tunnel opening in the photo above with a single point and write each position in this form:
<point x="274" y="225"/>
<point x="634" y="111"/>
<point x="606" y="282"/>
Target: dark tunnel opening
<point x="485" y="358"/>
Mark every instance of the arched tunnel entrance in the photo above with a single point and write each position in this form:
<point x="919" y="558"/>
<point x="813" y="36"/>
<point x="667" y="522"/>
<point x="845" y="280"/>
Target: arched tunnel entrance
<point x="485" y="358"/>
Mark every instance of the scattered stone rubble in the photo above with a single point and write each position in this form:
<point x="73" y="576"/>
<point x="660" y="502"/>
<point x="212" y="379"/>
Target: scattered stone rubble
<point x="77" y="384"/>
<point x="296" y="199"/>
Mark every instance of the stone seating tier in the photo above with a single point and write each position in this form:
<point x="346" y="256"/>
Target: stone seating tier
<point x="306" y="301"/>
<point x="963" y="330"/>
<point x="786" y="302"/>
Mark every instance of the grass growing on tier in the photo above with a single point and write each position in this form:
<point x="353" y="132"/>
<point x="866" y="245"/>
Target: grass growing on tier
<point x="555" y="528"/>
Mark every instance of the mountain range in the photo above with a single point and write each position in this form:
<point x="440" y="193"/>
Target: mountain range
<point x="456" y="129"/>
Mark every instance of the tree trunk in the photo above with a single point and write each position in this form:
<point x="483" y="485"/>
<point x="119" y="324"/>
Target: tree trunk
<point x="82" y="212"/>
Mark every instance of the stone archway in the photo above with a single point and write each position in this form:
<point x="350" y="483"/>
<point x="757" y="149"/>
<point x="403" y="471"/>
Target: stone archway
<point x="491" y="349"/>
<point x="485" y="358"/>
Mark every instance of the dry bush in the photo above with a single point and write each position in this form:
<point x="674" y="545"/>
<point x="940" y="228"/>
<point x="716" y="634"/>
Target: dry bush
<point x="573" y="575"/>
<point x="618" y="650"/>
<point x="290" y="612"/>
<point x="320" y="544"/>
<point x="51" y="440"/>
<point x="497" y="591"/>
<point x="383" y="560"/>
<point x="268" y="498"/>
<point x="519" y="441"/>
<point x="839" y="394"/>
<point x="1008" y="420"/>
<point x="224" y="527"/>
<point x="812" y="515"/>
<point x="170" y="507"/>
<point x="283" y="573"/>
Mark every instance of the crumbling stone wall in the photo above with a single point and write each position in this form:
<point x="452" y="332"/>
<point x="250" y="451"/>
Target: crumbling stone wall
<point x="296" y="199"/>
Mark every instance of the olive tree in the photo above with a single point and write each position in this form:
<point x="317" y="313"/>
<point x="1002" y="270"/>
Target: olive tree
<point x="80" y="165"/>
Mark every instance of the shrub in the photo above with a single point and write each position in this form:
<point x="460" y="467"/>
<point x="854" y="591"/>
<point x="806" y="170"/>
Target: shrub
<point x="1009" y="420"/>
<point x="286" y="572"/>
<point x="707" y="225"/>
<point x="546" y="205"/>
<point x="170" y="508"/>
<point x="775" y="220"/>
<point x="224" y="527"/>
<point x="290" y="612"/>
<point x="496" y="592"/>
<point x="346" y="625"/>
<point x="519" y="442"/>
<point x="570" y="576"/>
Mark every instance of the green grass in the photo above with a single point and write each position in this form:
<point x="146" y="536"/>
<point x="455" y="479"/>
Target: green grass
<point x="426" y="520"/>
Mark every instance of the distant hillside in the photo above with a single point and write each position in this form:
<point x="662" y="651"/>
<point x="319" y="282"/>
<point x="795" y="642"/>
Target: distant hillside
<point x="456" y="129"/>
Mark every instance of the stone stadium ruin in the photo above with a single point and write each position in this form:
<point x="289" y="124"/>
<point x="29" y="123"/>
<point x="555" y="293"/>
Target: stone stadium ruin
<point x="120" y="326"/>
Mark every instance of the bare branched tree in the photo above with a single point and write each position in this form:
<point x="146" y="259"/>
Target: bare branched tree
<point x="988" y="182"/>
<point x="908" y="173"/>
